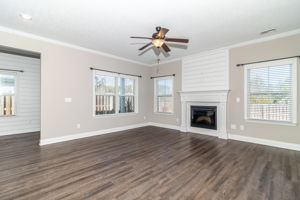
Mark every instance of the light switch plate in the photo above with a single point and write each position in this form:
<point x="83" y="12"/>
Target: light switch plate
<point x="233" y="126"/>
<point x="238" y="99"/>
<point x="242" y="127"/>
<point x="68" y="99"/>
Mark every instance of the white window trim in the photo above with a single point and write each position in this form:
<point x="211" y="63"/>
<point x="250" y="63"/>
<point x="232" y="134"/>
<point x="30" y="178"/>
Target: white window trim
<point x="155" y="99"/>
<point x="294" y="63"/>
<point x="16" y="92"/>
<point x="116" y="114"/>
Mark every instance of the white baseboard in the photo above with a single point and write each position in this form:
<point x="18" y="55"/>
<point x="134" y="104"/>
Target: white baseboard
<point x="101" y="132"/>
<point x="19" y="131"/>
<point x="164" y="125"/>
<point x="89" y="134"/>
<point x="267" y="142"/>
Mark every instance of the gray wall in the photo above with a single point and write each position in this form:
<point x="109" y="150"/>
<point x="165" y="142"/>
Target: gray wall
<point x="279" y="48"/>
<point x="167" y="69"/>
<point x="65" y="73"/>
<point x="283" y="47"/>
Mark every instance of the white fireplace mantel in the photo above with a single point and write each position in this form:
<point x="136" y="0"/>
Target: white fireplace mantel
<point x="205" y="98"/>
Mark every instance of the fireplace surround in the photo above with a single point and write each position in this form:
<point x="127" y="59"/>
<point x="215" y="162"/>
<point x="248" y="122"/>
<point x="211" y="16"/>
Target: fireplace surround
<point x="209" y="99"/>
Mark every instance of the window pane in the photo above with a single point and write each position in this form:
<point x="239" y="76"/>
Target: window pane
<point x="164" y="87"/>
<point x="105" y="84"/>
<point x="7" y="105"/>
<point x="126" y="86"/>
<point x="7" y="92"/>
<point x="105" y="104"/>
<point x="7" y="84"/>
<point x="165" y="104"/>
<point x="126" y="104"/>
<point x="270" y="93"/>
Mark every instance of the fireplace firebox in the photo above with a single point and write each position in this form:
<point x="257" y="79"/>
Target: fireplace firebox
<point x="204" y="117"/>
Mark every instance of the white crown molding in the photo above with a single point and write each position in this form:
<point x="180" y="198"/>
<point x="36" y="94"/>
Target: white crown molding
<point x="33" y="36"/>
<point x="255" y="41"/>
<point x="265" y="39"/>
<point x="267" y="142"/>
<point x="65" y="44"/>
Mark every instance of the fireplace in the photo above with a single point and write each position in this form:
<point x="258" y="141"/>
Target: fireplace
<point x="214" y="100"/>
<point x="204" y="117"/>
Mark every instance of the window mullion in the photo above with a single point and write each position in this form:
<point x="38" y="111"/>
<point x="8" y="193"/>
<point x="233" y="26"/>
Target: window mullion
<point x="117" y="103"/>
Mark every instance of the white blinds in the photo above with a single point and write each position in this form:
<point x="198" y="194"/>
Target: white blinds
<point x="163" y="100"/>
<point x="271" y="91"/>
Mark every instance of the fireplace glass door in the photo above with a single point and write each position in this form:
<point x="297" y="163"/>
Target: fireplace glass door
<point x="204" y="117"/>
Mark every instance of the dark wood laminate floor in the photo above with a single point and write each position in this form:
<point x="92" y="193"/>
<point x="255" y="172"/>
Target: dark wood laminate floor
<point x="146" y="163"/>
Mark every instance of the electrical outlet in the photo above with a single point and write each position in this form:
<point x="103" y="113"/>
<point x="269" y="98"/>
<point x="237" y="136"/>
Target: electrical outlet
<point x="144" y="117"/>
<point x="78" y="125"/>
<point x="233" y="126"/>
<point x="238" y="99"/>
<point x="68" y="100"/>
<point x="242" y="127"/>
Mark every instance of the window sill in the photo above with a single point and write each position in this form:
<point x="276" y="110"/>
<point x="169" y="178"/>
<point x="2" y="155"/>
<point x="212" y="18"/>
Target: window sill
<point x="116" y="115"/>
<point x="271" y="122"/>
<point x="8" y="116"/>
<point x="162" y="113"/>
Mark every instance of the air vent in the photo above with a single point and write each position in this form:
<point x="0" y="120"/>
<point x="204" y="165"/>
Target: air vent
<point x="267" y="31"/>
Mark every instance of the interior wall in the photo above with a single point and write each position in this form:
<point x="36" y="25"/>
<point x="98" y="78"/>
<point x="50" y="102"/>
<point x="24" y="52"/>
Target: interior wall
<point x="167" y="69"/>
<point x="65" y="73"/>
<point x="28" y="95"/>
<point x="279" y="48"/>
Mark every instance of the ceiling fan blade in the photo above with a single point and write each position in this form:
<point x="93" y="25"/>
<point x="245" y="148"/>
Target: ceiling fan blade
<point x="136" y="37"/>
<point x="177" y="40"/>
<point x="143" y="47"/>
<point x="166" y="48"/>
<point x="162" y="32"/>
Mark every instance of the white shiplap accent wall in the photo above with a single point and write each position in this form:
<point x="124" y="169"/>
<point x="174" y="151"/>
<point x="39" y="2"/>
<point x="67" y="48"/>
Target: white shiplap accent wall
<point x="27" y="117"/>
<point x="206" y="71"/>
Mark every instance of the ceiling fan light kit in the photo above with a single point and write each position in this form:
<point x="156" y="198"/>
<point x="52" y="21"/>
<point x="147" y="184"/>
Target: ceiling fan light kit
<point x="158" y="42"/>
<point x="159" y="39"/>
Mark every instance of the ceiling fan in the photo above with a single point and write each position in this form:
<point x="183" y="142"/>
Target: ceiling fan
<point x="159" y="39"/>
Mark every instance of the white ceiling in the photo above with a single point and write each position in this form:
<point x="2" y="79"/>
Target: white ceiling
<point x="107" y="25"/>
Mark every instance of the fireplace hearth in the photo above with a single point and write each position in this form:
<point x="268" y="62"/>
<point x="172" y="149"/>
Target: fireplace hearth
<point x="204" y="117"/>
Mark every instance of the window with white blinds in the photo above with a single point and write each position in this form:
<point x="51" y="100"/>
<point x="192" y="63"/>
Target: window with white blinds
<point x="163" y="95"/>
<point x="271" y="91"/>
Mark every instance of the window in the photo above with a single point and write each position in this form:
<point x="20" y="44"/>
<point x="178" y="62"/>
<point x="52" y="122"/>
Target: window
<point x="7" y="94"/>
<point x="163" y="95"/>
<point x="126" y="95"/>
<point x="114" y="94"/>
<point x="271" y="91"/>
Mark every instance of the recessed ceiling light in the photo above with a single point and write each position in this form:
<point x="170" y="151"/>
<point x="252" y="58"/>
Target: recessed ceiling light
<point x="267" y="31"/>
<point x="25" y="16"/>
